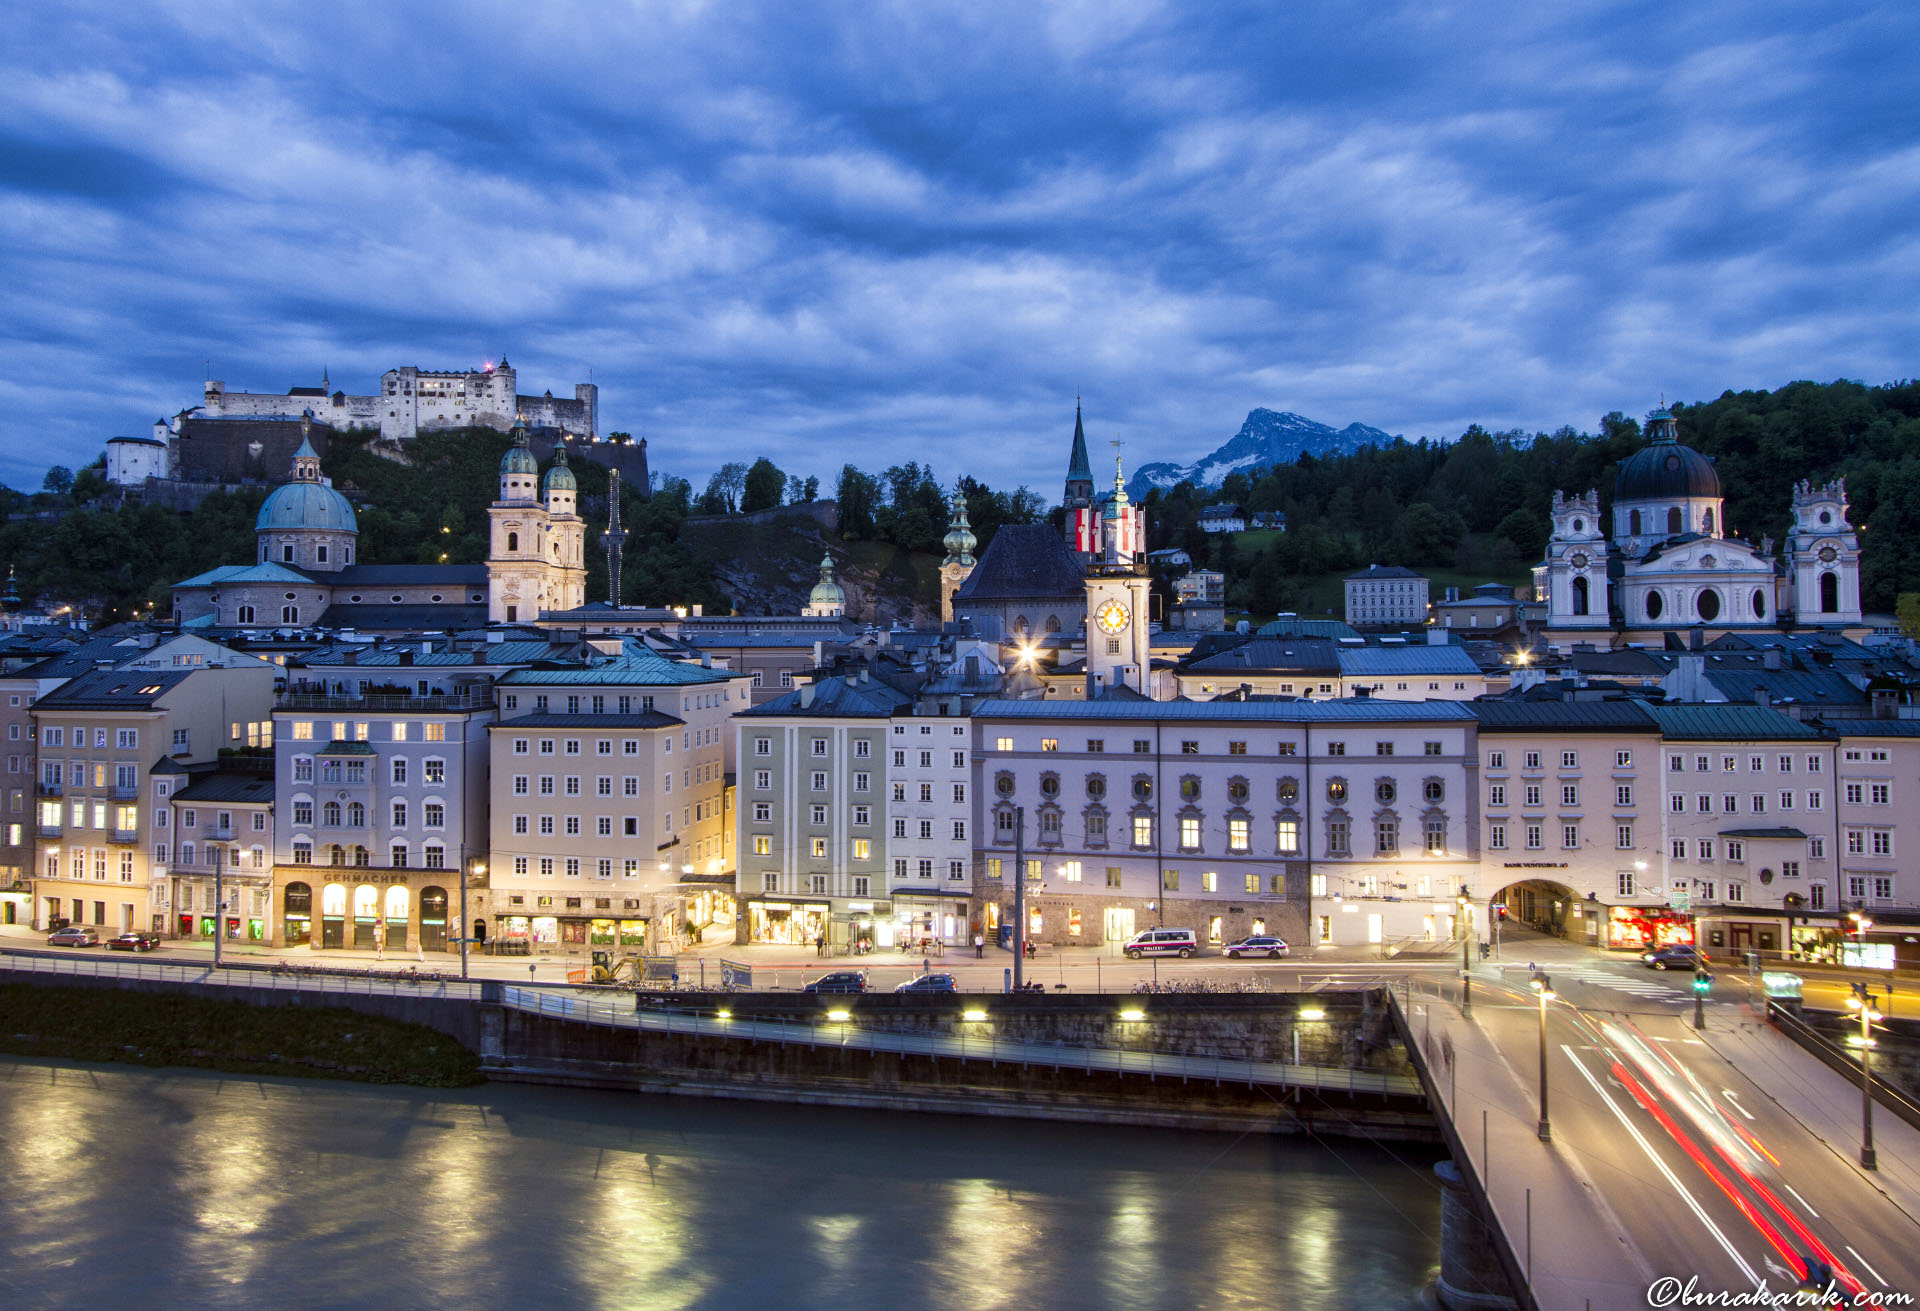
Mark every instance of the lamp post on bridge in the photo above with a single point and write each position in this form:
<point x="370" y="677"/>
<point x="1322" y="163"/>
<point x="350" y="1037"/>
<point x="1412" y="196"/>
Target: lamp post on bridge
<point x="1543" y="987"/>
<point x="1862" y="1001"/>
<point x="1466" y="951"/>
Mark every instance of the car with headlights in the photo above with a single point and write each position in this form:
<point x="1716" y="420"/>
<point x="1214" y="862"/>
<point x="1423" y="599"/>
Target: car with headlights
<point x="839" y="981"/>
<point x="937" y="983"/>
<point x="133" y="942"/>
<point x="1677" y="956"/>
<point x="1259" y="945"/>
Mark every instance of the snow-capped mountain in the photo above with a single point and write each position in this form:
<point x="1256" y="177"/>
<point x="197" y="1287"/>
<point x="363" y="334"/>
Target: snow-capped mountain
<point x="1268" y="437"/>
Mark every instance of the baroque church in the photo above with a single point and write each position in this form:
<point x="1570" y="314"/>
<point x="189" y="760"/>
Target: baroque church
<point x="1665" y="565"/>
<point x="305" y="573"/>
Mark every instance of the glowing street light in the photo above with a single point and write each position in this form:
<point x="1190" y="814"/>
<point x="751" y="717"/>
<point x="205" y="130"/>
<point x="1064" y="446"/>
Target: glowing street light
<point x="1543" y="988"/>
<point x="1862" y="1001"/>
<point x="1466" y="957"/>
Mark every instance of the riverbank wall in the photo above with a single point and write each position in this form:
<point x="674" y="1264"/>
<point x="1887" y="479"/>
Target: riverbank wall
<point x="1321" y="1034"/>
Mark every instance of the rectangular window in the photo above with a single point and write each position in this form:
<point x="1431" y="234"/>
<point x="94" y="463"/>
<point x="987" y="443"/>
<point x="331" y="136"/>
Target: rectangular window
<point x="1882" y="842"/>
<point x="1531" y="760"/>
<point x="1570" y="837"/>
<point x="1237" y="835"/>
<point x="1496" y="760"/>
<point x="1623" y="883"/>
<point x="863" y="848"/>
<point x="1143" y="830"/>
<point x="1623" y="837"/>
<point x="1535" y="837"/>
<point x="1569" y="794"/>
<point x="1189" y="834"/>
<point x="1497" y="836"/>
<point x="1003" y="744"/>
<point x="1339" y="838"/>
<point x="1497" y="795"/>
<point x="1533" y="796"/>
<point x="1703" y="847"/>
<point x="1623" y="795"/>
<point x="1569" y="760"/>
<point x="1678" y="848"/>
<point x="1287" y="836"/>
<point x="1736" y="851"/>
<point x="1170" y="880"/>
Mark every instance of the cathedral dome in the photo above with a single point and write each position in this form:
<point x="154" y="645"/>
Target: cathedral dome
<point x="1664" y="470"/>
<point x="310" y="505"/>
<point x="519" y="456"/>
<point x="560" y="477"/>
<point x="827" y="594"/>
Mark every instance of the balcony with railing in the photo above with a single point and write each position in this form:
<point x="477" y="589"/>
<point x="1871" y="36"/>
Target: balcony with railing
<point x="52" y="830"/>
<point x="124" y="836"/>
<point x="126" y="791"/>
<point x="49" y="789"/>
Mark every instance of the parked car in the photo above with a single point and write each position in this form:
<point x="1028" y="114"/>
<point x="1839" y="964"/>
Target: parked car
<point x="1679" y="956"/>
<point x="839" y="981"/>
<point x="1162" y="942"/>
<point x="74" y="936"/>
<point x="1270" y="947"/>
<point x="930" y="983"/>
<point x="133" y="942"/>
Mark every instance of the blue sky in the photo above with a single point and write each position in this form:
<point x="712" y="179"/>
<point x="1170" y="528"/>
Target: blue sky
<point x="825" y="232"/>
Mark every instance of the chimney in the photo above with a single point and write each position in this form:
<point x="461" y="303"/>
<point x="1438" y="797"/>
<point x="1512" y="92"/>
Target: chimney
<point x="1696" y="639"/>
<point x="1761" y="697"/>
<point x="706" y="659"/>
<point x="1436" y="637"/>
<point x="1770" y="659"/>
<point x="806" y="695"/>
<point x="406" y="658"/>
<point x="1884" y="703"/>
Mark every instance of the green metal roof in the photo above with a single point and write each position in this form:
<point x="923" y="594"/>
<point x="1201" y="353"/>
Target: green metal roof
<point x="1719" y="723"/>
<point x="1618" y="716"/>
<point x="339" y="748"/>
<point x="637" y="666"/>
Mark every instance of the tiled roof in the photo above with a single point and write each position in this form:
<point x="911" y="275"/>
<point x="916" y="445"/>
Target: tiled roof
<point x="337" y="747"/>
<point x="247" y="573"/>
<point x="114" y="689"/>
<point x="1269" y="655"/>
<point x="1406" y="660"/>
<point x="1728" y="723"/>
<point x="1023" y="562"/>
<point x="410" y="575"/>
<point x="1366" y="710"/>
<point x="1809" y="687"/>
<point x="835" y="698"/>
<point x="1295" y="626"/>
<point x="246" y="789"/>
<point x="1872" y="727"/>
<point x="1621" y="716"/>
<point x="1384" y="571"/>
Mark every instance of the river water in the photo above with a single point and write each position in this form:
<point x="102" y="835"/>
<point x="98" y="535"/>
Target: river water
<point x="130" y="1188"/>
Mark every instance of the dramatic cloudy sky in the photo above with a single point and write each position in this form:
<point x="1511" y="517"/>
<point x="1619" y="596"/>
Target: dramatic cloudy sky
<point x="829" y="232"/>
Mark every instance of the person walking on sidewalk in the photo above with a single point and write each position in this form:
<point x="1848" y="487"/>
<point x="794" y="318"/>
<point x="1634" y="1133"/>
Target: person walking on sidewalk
<point x="979" y="947"/>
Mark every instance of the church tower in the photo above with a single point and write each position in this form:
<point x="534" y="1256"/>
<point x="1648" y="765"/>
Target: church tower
<point x="1117" y="645"/>
<point x="1823" y="556"/>
<point x="1575" y="571"/>
<point x="958" y="565"/>
<point x="1078" y="498"/>
<point x="566" y="535"/>
<point x="517" y="538"/>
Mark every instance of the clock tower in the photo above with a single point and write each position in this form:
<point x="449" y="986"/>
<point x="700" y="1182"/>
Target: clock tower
<point x="1117" y="646"/>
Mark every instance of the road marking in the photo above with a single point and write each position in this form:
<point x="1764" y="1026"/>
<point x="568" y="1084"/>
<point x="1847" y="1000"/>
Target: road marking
<point x="1734" y="1097"/>
<point x="1803" y="1201"/>
<point x="1633" y="1131"/>
<point x="1869" y="1269"/>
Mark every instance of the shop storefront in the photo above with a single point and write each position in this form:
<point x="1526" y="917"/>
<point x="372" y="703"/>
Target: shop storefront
<point x="368" y="911"/>
<point x="791" y="923"/>
<point x="921" y="919"/>
<point x="1642" y="928"/>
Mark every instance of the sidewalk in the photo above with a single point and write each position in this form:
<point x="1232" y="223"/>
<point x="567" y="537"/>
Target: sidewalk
<point x="1522" y="1176"/>
<point x="1823" y="1102"/>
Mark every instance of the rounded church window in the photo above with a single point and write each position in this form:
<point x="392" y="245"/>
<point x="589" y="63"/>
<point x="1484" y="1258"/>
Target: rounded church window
<point x="1336" y="791"/>
<point x="1759" y="604"/>
<point x="1579" y="525"/>
<point x="1708" y="605"/>
<point x="1826" y="517"/>
<point x="1383" y="792"/>
<point x="1654" y="605"/>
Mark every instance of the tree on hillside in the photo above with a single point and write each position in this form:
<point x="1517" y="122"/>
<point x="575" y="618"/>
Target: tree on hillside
<point x="858" y="496"/>
<point x="724" y="488"/>
<point x="59" y="480"/>
<point x="801" y="491"/>
<point x="761" y="486"/>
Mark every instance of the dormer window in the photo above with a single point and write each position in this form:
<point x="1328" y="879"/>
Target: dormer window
<point x="320" y="554"/>
<point x="286" y="552"/>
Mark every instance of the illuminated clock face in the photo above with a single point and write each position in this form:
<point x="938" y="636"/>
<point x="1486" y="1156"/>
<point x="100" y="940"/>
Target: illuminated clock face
<point x="1579" y="559"/>
<point x="1113" y="616"/>
<point x="1828" y="555"/>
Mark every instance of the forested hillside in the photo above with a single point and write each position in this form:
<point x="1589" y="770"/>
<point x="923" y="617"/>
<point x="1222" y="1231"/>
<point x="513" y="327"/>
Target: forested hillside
<point x="1480" y="503"/>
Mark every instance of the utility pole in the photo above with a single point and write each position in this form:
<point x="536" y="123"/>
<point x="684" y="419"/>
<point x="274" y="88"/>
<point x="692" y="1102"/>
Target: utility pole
<point x="1466" y="954"/>
<point x="1543" y="988"/>
<point x="1019" y="896"/>
<point x="1862" y="1001"/>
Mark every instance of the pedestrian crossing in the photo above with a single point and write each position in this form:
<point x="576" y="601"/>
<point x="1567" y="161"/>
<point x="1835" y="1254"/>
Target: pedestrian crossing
<point x="1647" y="987"/>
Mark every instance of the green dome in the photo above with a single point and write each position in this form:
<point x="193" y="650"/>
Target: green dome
<point x="827" y="593"/>
<point x="306" y="505"/>
<point x="519" y="456"/>
<point x="560" y="477"/>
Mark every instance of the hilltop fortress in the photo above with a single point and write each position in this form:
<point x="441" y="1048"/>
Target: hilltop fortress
<point x="413" y="400"/>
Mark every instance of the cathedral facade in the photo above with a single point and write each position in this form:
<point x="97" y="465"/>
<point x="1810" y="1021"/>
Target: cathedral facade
<point x="1661" y="561"/>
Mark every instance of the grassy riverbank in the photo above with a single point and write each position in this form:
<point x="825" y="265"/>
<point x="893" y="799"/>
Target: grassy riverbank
<point x="98" y="1024"/>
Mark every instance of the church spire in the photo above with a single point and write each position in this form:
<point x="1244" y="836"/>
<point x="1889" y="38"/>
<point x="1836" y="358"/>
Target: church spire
<point x="1079" y="488"/>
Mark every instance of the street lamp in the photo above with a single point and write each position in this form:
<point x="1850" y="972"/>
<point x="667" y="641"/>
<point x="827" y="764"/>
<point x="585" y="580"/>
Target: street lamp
<point x="1466" y="957"/>
<point x="466" y="929"/>
<point x="1860" y="926"/>
<point x="1543" y="986"/>
<point x="1862" y="1001"/>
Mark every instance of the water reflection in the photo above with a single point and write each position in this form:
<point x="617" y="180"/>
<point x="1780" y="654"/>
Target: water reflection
<point x="131" y="1188"/>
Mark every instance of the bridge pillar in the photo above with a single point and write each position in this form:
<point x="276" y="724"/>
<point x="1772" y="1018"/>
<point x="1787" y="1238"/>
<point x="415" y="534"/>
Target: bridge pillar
<point x="1470" y="1275"/>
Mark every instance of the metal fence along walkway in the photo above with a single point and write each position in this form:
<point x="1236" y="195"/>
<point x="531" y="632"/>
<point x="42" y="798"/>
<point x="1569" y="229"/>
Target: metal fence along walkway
<point x="385" y="983"/>
<point x="823" y="1031"/>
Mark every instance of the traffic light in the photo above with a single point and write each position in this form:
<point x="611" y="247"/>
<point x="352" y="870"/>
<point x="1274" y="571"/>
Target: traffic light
<point x="1702" y="982"/>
